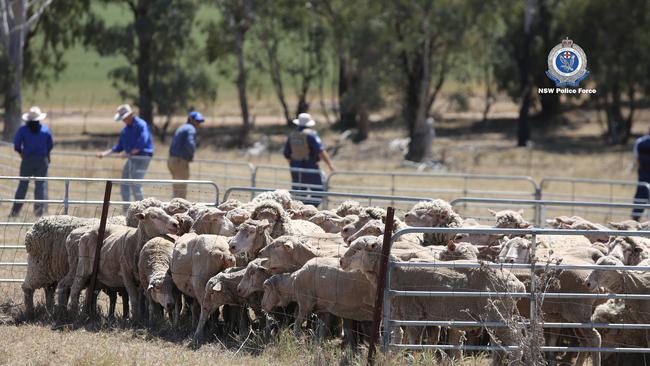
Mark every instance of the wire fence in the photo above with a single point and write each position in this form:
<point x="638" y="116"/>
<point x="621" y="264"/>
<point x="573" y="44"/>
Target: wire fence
<point x="464" y="295"/>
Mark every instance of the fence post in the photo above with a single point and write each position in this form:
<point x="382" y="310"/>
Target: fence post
<point x="91" y="297"/>
<point x="66" y="196"/>
<point x="381" y="284"/>
<point x="533" y="299"/>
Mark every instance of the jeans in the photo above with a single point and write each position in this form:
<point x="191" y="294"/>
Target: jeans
<point x="34" y="166"/>
<point x="641" y="195"/>
<point x="134" y="168"/>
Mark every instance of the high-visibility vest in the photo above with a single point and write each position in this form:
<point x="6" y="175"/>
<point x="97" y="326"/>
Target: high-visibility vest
<point x="298" y="141"/>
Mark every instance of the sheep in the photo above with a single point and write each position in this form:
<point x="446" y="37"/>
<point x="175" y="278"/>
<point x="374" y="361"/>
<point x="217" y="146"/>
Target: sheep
<point x="365" y="256"/>
<point x="328" y="221"/>
<point x="177" y="205"/>
<point x="229" y="205"/>
<point x="616" y="311"/>
<point x="304" y="212"/>
<point x="210" y="220"/>
<point x="358" y="221"/>
<point x="630" y="225"/>
<point x="509" y="219"/>
<point x="578" y="223"/>
<point x="138" y="207"/>
<point x="252" y="236"/>
<point x="630" y="250"/>
<point x="254" y="276"/>
<point x="288" y="253"/>
<point x="156" y="279"/>
<point x="376" y="228"/>
<point x="348" y="208"/>
<point x="280" y="196"/>
<point x="120" y="254"/>
<point x="196" y="259"/>
<point x="459" y="251"/>
<point x="220" y="290"/>
<point x="321" y="286"/>
<point x="517" y="250"/>
<point x="47" y="259"/>
<point x="436" y="213"/>
<point x="280" y="221"/>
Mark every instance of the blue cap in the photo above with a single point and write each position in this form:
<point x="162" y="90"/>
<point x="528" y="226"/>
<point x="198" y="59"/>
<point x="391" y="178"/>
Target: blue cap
<point x="197" y="116"/>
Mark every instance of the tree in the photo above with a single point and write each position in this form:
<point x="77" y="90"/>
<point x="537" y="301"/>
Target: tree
<point x="427" y="36"/>
<point x="228" y="38"/>
<point x="158" y="46"/>
<point x="18" y="18"/>
<point x="294" y="28"/>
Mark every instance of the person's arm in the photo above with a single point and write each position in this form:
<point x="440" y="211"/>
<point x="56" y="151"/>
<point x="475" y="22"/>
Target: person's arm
<point x="287" y="151"/>
<point x="326" y="158"/>
<point x="50" y="144"/>
<point x="141" y="140"/>
<point x="18" y="142"/>
<point x="115" y="149"/>
<point x="191" y="143"/>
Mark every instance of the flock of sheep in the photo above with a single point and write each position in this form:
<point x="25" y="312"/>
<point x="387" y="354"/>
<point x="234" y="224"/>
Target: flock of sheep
<point x="274" y="260"/>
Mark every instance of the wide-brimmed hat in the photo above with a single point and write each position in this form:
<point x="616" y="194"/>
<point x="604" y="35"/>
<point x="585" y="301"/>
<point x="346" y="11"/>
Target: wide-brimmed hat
<point x="34" y="114"/>
<point x="304" y="120"/>
<point x="123" y="111"/>
<point x="196" y="116"/>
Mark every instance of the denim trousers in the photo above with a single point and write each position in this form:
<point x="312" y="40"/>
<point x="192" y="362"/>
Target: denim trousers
<point x="32" y="166"/>
<point x="134" y="168"/>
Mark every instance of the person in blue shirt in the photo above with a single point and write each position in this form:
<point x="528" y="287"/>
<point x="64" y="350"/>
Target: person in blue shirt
<point x="304" y="150"/>
<point x="641" y="152"/>
<point x="181" y="151"/>
<point x="33" y="141"/>
<point x="136" y="145"/>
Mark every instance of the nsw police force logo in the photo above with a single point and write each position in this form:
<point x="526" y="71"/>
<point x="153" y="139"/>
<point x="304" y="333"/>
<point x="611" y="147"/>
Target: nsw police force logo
<point x="567" y="64"/>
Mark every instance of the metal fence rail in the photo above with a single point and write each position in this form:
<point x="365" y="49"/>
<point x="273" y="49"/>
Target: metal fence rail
<point x="329" y="198"/>
<point x="388" y="293"/>
<point x="541" y="206"/>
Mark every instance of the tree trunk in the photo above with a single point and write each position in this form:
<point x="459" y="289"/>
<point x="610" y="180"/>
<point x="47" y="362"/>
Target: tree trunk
<point x="145" y="42"/>
<point x="165" y="127"/>
<point x="523" y="132"/>
<point x="275" y="73"/>
<point x="13" y="95"/>
<point x="348" y="110"/>
<point x="618" y="127"/>
<point x="241" y="87"/>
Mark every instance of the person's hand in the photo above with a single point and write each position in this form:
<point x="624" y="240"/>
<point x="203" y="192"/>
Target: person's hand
<point x="124" y="155"/>
<point x="100" y="154"/>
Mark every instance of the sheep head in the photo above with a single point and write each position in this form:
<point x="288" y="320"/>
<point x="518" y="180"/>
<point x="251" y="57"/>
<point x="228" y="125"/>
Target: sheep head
<point x="155" y="221"/>
<point x="254" y="276"/>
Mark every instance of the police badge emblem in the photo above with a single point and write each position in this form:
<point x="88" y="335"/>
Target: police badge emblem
<point x="567" y="64"/>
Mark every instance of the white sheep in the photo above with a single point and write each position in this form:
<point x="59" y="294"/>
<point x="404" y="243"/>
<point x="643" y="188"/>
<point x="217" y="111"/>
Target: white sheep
<point x="436" y="213"/>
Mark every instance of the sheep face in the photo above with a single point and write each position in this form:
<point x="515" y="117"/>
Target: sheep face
<point x="278" y="253"/>
<point x="328" y="221"/>
<point x="516" y="250"/>
<point x="348" y="208"/>
<point x="229" y="205"/>
<point x="303" y="213"/>
<point x="274" y="296"/>
<point x="253" y="280"/>
<point x="361" y="255"/>
<point x="185" y="223"/>
<point x="354" y="226"/>
<point x="419" y="217"/>
<point x="155" y="221"/>
<point x="161" y="291"/>
<point x="608" y="279"/>
<point x="371" y="228"/>
<point x="220" y="222"/>
<point x="627" y="251"/>
<point x="459" y="251"/>
<point x="249" y="232"/>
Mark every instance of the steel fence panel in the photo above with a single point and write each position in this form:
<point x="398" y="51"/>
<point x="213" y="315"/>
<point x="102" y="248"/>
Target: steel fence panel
<point x="532" y="321"/>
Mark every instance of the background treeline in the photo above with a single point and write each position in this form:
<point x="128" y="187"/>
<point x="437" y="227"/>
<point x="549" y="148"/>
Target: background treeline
<point x="364" y="52"/>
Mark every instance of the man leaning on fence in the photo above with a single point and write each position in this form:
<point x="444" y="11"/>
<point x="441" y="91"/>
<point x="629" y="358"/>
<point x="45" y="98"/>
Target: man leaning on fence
<point x="641" y="151"/>
<point x="181" y="151"/>
<point x="136" y="145"/>
<point x="304" y="149"/>
<point x="33" y="142"/>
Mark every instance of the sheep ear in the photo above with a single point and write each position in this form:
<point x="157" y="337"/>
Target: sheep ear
<point x="218" y="212"/>
<point x="217" y="287"/>
<point x="492" y="212"/>
<point x="150" y="287"/>
<point x="287" y="245"/>
<point x="372" y="245"/>
<point x="638" y="250"/>
<point x="140" y="216"/>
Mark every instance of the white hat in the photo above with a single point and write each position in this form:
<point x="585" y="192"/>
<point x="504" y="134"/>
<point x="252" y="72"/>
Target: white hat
<point x="123" y="111"/>
<point x="34" y="114"/>
<point x="304" y="120"/>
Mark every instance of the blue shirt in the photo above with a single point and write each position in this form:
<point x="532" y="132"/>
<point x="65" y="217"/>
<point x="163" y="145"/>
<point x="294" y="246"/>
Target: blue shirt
<point x="315" y="147"/>
<point x="184" y="142"/>
<point x="136" y="136"/>
<point x="33" y="144"/>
